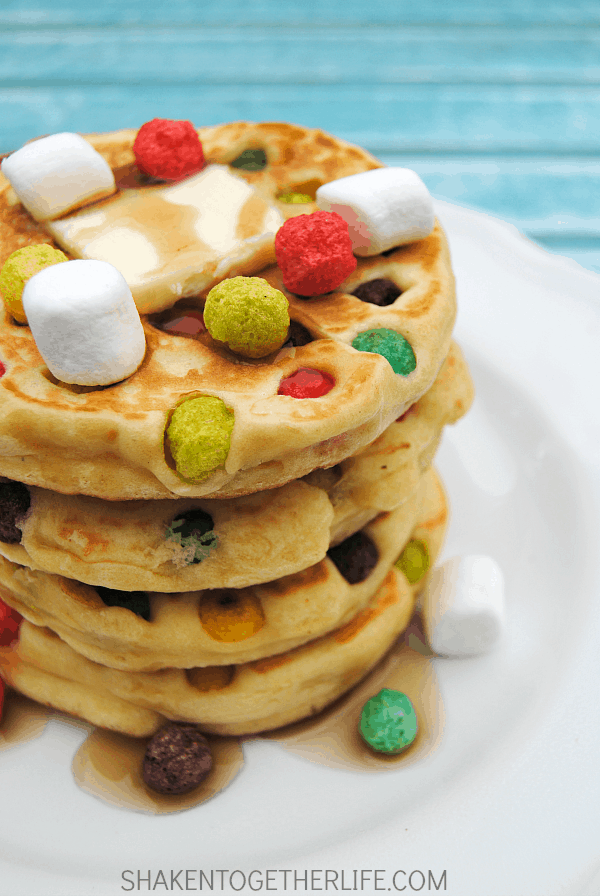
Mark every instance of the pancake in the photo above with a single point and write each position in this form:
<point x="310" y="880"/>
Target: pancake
<point x="215" y="627"/>
<point x="110" y="442"/>
<point x="260" y="537"/>
<point x="234" y="699"/>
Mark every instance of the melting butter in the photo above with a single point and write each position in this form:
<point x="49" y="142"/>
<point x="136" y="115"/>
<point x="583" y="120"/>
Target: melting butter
<point x="176" y="241"/>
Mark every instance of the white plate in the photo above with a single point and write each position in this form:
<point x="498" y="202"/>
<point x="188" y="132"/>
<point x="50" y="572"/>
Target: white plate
<point x="509" y="804"/>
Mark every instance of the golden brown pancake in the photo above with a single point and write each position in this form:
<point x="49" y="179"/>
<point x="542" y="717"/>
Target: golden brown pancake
<point x="109" y="442"/>
<point x="213" y="627"/>
<point x="129" y="545"/>
<point x="233" y="699"/>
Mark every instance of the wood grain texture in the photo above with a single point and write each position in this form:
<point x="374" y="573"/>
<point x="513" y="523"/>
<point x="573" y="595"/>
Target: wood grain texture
<point x="496" y="105"/>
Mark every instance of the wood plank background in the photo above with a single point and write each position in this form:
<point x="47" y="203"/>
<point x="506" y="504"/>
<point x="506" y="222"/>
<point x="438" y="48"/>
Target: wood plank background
<point x="496" y="105"/>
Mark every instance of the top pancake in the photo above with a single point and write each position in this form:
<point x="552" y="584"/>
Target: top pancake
<point x="110" y="441"/>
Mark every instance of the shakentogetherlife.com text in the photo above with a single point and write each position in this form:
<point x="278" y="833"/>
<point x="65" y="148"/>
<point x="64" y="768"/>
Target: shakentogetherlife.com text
<point x="285" y="881"/>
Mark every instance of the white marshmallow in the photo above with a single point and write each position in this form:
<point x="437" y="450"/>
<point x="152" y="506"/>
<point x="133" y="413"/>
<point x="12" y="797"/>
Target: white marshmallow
<point x="56" y="174"/>
<point x="84" y="322"/>
<point x="463" y="606"/>
<point x="383" y="208"/>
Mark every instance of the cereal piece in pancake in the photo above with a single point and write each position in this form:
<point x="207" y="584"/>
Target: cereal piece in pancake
<point x="248" y="314"/>
<point x="199" y="435"/>
<point x="167" y="149"/>
<point x="314" y="253"/>
<point x="18" y="268"/>
<point x="15" y="501"/>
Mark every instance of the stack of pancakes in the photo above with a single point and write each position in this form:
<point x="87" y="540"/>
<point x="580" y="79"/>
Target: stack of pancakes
<point x="255" y="596"/>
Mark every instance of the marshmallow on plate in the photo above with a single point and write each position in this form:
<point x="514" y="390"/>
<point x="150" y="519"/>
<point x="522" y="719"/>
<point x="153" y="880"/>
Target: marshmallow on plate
<point x="384" y="208"/>
<point x="57" y="174"/>
<point x="463" y="606"/>
<point x="85" y="322"/>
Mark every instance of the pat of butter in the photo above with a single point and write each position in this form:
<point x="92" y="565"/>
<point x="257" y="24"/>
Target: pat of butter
<point x="175" y="241"/>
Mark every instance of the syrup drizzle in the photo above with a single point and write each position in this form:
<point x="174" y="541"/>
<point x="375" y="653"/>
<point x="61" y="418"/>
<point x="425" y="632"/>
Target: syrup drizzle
<point x="108" y="765"/>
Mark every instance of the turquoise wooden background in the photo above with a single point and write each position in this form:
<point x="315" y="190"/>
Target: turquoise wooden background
<point x="495" y="104"/>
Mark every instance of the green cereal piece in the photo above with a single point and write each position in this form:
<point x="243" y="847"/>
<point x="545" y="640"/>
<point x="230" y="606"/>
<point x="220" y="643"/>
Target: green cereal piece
<point x="19" y="268"/>
<point x="251" y="160"/>
<point x="193" y="531"/>
<point x="392" y="345"/>
<point x="388" y="722"/>
<point x="248" y="314"/>
<point x="414" y="560"/>
<point x="199" y="436"/>
<point x="295" y="198"/>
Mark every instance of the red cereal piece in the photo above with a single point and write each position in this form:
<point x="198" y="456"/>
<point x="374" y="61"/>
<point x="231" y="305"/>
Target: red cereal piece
<point x="314" y="253"/>
<point x="10" y="621"/>
<point x="2" y="369"/>
<point x="169" y="150"/>
<point x="306" y="383"/>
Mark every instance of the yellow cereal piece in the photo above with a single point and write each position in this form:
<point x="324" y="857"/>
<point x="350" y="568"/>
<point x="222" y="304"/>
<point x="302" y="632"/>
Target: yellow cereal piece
<point x="249" y="315"/>
<point x="199" y="436"/>
<point x="414" y="560"/>
<point x="231" y="615"/>
<point x="19" y="268"/>
<point x="295" y="198"/>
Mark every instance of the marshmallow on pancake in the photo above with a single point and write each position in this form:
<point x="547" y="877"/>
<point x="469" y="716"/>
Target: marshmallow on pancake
<point x="84" y="322"/>
<point x="58" y="174"/>
<point x="463" y="606"/>
<point x="384" y="208"/>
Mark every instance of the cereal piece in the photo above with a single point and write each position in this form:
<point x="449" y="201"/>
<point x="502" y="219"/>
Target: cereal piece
<point x="199" y="436"/>
<point x="388" y="723"/>
<point x="463" y="606"/>
<point x="392" y="345"/>
<point x="231" y="616"/>
<point x="248" y="314"/>
<point x="295" y="198"/>
<point x="380" y="291"/>
<point x="384" y="208"/>
<point x="355" y="557"/>
<point x="58" y="174"/>
<point x="18" y="268"/>
<point x="10" y="622"/>
<point x="414" y="560"/>
<point x="2" y="369"/>
<point x="210" y="678"/>
<point x="136" y="601"/>
<point x="314" y="253"/>
<point x="194" y="532"/>
<point x="84" y="322"/>
<point x="180" y="323"/>
<point x="14" y="504"/>
<point x="177" y="759"/>
<point x="306" y="383"/>
<point x="251" y="160"/>
<point x="297" y="335"/>
<point x="169" y="150"/>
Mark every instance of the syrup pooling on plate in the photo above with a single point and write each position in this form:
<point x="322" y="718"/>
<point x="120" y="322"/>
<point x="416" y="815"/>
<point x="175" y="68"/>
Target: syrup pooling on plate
<point x="108" y="765"/>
